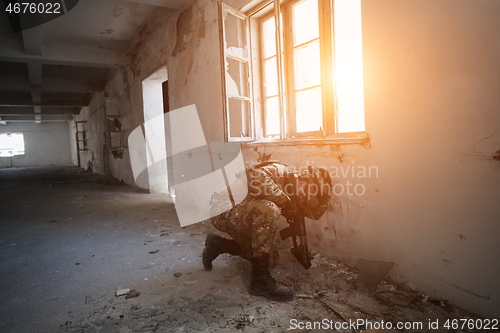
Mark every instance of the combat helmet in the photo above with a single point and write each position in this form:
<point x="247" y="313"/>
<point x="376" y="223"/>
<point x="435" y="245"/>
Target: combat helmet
<point x="320" y="183"/>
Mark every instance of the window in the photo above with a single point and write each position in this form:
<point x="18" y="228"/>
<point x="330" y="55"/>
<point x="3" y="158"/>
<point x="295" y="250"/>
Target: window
<point x="235" y="55"/>
<point x="306" y="51"/>
<point x="279" y="71"/>
<point x="11" y="144"/>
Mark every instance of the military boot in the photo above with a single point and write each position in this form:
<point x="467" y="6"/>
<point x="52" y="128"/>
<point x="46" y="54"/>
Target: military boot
<point x="263" y="284"/>
<point x="215" y="245"/>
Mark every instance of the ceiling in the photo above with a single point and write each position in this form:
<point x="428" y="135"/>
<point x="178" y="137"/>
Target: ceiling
<point x="48" y="72"/>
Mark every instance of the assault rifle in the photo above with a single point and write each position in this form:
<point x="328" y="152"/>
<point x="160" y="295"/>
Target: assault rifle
<point x="297" y="229"/>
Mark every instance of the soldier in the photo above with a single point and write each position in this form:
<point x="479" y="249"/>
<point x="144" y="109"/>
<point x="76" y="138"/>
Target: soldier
<point x="252" y="223"/>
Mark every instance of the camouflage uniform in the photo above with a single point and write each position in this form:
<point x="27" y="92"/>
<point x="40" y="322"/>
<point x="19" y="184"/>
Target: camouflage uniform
<point x="254" y="221"/>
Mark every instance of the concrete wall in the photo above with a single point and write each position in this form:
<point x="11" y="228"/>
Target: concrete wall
<point x="45" y="144"/>
<point x="72" y="142"/>
<point x="431" y="82"/>
<point x="94" y="158"/>
<point x="424" y="194"/>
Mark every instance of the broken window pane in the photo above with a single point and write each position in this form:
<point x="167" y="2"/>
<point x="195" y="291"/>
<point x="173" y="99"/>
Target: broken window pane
<point x="236" y="75"/>
<point x="239" y="118"/>
<point x="114" y="125"/>
<point x="235" y="35"/>
<point x="237" y="78"/>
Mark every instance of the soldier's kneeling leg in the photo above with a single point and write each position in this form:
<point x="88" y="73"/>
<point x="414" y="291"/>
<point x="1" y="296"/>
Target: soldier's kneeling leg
<point x="215" y="245"/>
<point x="263" y="284"/>
<point x="252" y="224"/>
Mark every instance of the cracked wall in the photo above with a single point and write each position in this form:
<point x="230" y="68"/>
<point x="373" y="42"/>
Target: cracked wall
<point x="94" y="158"/>
<point x="431" y="100"/>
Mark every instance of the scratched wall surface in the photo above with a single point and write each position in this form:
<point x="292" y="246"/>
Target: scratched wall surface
<point x="424" y="194"/>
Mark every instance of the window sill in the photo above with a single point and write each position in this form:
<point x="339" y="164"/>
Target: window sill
<point x="361" y="138"/>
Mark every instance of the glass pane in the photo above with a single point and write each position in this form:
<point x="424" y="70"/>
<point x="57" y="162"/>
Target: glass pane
<point x="308" y="110"/>
<point x="239" y="118"/>
<point x="305" y="21"/>
<point x="234" y="28"/>
<point x="307" y="67"/>
<point x="237" y="78"/>
<point x="268" y="38"/>
<point x="270" y="79"/>
<point x="272" y="116"/>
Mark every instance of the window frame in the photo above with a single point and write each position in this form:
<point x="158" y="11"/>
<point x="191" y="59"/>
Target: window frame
<point x="223" y="8"/>
<point x="11" y="153"/>
<point x="325" y="21"/>
<point x="328" y="133"/>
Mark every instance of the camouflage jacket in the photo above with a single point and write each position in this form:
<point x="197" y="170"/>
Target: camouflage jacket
<point x="267" y="181"/>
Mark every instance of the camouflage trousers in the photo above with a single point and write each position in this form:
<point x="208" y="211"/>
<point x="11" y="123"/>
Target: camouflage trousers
<point x="251" y="223"/>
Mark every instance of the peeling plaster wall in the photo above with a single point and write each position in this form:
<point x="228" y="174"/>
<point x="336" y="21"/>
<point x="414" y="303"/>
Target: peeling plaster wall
<point x="431" y="92"/>
<point x="177" y="39"/>
<point x="431" y="96"/>
<point x="148" y="52"/>
<point x="130" y="117"/>
<point x="45" y="144"/>
<point x="430" y="203"/>
<point x="72" y="142"/>
<point x="94" y="158"/>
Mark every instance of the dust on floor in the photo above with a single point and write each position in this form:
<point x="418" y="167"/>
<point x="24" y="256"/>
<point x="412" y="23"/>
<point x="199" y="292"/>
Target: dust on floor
<point x="194" y="300"/>
<point x="70" y="239"/>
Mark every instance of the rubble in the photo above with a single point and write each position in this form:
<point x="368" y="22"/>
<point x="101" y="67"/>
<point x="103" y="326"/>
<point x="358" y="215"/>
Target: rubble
<point x="121" y="292"/>
<point x="132" y="294"/>
<point x="218" y="301"/>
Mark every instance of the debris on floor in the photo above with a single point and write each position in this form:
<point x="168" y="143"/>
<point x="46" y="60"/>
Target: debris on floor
<point x="132" y="294"/>
<point x="46" y="291"/>
<point x="122" y="292"/>
<point x="326" y="298"/>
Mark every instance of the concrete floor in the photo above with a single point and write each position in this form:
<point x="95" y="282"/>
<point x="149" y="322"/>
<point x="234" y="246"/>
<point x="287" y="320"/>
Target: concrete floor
<point x="69" y="239"/>
<point x="67" y="234"/>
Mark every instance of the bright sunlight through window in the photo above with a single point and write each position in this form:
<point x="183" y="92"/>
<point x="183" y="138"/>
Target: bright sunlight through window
<point x="307" y="70"/>
<point x="11" y="144"/>
<point x="303" y="74"/>
<point x="349" y="66"/>
<point x="306" y="88"/>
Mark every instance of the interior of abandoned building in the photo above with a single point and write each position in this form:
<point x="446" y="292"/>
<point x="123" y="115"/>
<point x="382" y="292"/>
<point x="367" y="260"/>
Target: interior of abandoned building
<point x="397" y="99"/>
